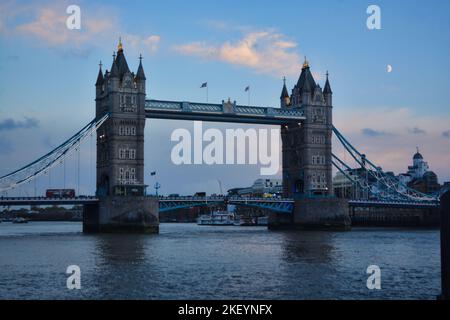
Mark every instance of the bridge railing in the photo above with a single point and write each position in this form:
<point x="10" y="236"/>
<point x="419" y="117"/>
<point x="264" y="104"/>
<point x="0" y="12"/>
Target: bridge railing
<point x="178" y="106"/>
<point x="47" y="198"/>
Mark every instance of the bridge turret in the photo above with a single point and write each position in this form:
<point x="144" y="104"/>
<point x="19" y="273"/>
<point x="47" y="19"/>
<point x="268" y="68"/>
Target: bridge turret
<point x="113" y="76"/>
<point x="285" y="100"/>
<point x="140" y="77"/>
<point x="328" y="94"/>
<point x="100" y="81"/>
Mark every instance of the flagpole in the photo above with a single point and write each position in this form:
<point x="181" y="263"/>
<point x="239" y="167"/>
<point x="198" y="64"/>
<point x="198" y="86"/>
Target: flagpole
<point x="207" y="95"/>
<point x="249" y="97"/>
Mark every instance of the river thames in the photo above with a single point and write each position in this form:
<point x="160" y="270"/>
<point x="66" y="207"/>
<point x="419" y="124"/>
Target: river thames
<point x="186" y="261"/>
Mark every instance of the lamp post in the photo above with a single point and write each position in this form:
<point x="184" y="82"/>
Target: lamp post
<point x="157" y="186"/>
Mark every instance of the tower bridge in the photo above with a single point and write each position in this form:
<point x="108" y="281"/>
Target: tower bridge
<point x="305" y="118"/>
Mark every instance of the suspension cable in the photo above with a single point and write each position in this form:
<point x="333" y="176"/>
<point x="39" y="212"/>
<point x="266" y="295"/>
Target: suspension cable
<point x="46" y="162"/>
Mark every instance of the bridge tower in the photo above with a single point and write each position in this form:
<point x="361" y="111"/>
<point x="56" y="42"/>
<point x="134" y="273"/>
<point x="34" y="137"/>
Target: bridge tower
<point x="306" y="150"/>
<point x="307" y="146"/>
<point x="123" y="205"/>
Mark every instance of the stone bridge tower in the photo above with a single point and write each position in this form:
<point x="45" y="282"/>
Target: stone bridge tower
<point x="120" y="150"/>
<point x="306" y="150"/>
<point x="120" y="142"/>
<point x="307" y="147"/>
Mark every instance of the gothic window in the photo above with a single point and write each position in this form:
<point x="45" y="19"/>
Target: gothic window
<point x="127" y="130"/>
<point x="127" y="175"/>
<point x="127" y="154"/>
<point x="318" y="180"/>
<point x="126" y="103"/>
<point x="318" y="139"/>
<point x="318" y="159"/>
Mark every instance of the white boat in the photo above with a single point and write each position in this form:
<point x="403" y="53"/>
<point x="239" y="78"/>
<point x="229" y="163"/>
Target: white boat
<point x="19" y="220"/>
<point x="217" y="218"/>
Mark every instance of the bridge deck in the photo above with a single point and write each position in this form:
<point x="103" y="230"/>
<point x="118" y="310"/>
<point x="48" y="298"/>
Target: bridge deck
<point x="168" y="201"/>
<point x="42" y="201"/>
<point x="225" y="112"/>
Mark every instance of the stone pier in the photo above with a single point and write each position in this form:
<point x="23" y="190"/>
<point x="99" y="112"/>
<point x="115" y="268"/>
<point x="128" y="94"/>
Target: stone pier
<point x="116" y="214"/>
<point x="326" y="213"/>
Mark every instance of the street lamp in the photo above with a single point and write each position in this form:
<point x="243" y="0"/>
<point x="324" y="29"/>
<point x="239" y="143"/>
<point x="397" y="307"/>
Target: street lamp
<point x="157" y="186"/>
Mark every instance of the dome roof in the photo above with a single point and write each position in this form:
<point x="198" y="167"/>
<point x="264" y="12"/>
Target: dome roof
<point x="418" y="156"/>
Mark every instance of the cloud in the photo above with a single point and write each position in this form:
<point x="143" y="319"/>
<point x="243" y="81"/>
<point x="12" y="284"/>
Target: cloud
<point x="148" y="44"/>
<point x="11" y="124"/>
<point x="46" y="25"/>
<point x="416" y="130"/>
<point x="446" y="134"/>
<point x="263" y="51"/>
<point x="374" y="133"/>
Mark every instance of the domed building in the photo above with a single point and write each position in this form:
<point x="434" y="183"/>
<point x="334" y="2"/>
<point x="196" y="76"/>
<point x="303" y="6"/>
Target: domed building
<point x="419" y="167"/>
<point x="419" y="176"/>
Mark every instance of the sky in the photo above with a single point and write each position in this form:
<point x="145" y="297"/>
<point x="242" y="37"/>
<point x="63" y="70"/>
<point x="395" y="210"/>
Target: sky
<point x="48" y="73"/>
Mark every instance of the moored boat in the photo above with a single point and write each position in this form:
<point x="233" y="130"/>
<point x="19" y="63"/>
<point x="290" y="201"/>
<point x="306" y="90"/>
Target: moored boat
<point x="217" y="218"/>
<point x="19" y="220"/>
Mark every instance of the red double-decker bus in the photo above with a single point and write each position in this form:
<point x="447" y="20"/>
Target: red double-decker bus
<point x="60" y="193"/>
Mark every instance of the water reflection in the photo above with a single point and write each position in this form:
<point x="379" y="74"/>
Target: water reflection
<point x="116" y="249"/>
<point x="121" y="270"/>
<point x="307" y="246"/>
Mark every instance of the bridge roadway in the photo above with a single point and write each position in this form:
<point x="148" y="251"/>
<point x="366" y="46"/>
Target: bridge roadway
<point x="284" y="205"/>
<point x="225" y="112"/>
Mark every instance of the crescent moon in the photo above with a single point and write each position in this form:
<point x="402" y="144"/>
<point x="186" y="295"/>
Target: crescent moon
<point x="389" y="68"/>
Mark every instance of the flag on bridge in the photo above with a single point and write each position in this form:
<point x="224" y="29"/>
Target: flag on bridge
<point x="247" y="89"/>
<point x="204" y="85"/>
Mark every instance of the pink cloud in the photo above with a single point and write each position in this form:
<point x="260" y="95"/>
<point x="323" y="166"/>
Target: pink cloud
<point x="264" y="51"/>
<point x="47" y="25"/>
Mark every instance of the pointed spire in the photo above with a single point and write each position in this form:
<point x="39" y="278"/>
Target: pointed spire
<point x="121" y="62"/>
<point x="140" y="75"/>
<point x="114" y="69"/>
<point x="284" y="91"/>
<point x="119" y="46"/>
<point x="306" y="78"/>
<point x="305" y="64"/>
<point x="100" y="76"/>
<point x="327" y="88"/>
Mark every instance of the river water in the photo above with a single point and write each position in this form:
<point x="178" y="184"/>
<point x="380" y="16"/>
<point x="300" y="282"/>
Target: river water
<point x="186" y="261"/>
